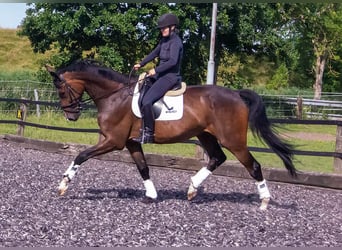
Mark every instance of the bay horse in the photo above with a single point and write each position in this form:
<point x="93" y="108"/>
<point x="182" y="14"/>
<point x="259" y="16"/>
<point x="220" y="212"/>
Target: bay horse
<point x="216" y="115"/>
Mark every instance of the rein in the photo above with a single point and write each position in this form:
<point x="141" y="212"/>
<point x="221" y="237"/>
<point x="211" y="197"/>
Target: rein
<point x="108" y="94"/>
<point x="77" y="102"/>
<point x="127" y="85"/>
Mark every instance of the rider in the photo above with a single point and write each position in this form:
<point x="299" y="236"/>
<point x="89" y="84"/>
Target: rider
<point x="166" y="75"/>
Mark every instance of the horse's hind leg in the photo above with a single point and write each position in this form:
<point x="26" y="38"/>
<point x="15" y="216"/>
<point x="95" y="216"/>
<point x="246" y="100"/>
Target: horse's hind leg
<point x="216" y="158"/>
<point x="254" y="169"/>
<point x="137" y="154"/>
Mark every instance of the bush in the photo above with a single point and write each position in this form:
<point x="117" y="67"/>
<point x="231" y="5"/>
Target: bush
<point x="279" y="79"/>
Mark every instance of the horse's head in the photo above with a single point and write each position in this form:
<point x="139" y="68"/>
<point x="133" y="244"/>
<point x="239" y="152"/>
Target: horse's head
<point x="69" y="92"/>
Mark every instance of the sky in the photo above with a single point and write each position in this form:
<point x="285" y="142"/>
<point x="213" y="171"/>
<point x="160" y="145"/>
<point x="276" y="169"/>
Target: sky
<point x="11" y="14"/>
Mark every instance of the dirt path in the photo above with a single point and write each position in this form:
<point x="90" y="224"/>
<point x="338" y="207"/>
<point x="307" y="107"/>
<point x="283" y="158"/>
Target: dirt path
<point x="103" y="208"/>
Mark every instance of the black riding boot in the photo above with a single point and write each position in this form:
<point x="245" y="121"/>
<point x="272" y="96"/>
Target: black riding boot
<point x="147" y="131"/>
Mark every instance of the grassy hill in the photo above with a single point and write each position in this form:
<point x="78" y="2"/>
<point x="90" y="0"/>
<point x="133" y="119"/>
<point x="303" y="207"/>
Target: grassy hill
<point x="16" y="55"/>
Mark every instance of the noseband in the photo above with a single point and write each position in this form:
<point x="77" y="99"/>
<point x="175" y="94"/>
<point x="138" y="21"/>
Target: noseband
<point x="75" y="105"/>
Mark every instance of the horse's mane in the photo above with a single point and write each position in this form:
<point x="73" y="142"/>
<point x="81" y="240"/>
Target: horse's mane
<point x="96" y="68"/>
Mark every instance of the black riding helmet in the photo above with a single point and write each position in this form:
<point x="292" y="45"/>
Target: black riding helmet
<point x="167" y="20"/>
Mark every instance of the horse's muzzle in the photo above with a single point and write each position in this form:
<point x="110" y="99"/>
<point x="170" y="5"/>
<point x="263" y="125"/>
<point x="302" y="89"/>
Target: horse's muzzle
<point x="72" y="116"/>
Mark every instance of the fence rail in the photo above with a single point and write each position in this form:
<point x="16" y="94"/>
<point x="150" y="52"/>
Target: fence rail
<point x="337" y="154"/>
<point x="299" y="107"/>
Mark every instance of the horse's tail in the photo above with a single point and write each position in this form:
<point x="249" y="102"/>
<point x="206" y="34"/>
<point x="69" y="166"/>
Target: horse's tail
<point x="262" y="127"/>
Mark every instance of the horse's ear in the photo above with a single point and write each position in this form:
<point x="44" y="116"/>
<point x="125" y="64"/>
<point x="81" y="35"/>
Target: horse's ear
<point x="56" y="78"/>
<point x="51" y="70"/>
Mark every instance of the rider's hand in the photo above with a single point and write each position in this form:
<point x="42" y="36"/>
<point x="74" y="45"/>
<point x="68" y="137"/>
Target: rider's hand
<point x="137" y="66"/>
<point x="151" y="72"/>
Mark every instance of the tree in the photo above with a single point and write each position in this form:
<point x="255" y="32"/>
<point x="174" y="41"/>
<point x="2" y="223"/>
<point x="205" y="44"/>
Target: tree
<point x="120" y="34"/>
<point x="250" y="30"/>
<point x="107" y="31"/>
<point x="117" y="34"/>
<point x="319" y="29"/>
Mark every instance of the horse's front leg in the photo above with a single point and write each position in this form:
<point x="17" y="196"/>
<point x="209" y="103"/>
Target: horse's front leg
<point x="138" y="156"/>
<point x="102" y="147"/>
<point x="67" y="177"/>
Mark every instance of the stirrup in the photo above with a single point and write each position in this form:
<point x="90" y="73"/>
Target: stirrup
<point x="146" y="136"/>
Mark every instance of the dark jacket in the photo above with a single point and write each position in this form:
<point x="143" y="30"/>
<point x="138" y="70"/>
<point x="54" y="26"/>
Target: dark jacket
<point x="170" y="53"/>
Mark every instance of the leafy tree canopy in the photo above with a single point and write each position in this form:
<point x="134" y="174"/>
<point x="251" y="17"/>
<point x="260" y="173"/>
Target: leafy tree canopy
<point x="287" y="37"/>
<point x="121" y="34"/>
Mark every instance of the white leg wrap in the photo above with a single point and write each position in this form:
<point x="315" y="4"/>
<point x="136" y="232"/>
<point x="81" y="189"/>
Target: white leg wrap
<point x="71" y="171"/>
<point x="263" y="189"/>
<point x="150" y="189"/>
<point x="200" y="176"/>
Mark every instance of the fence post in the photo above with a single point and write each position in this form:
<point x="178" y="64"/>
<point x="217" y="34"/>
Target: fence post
<point x="299" y="110"/>
<point x="21" y="115"/>
<point x="201" y="154"/>
<point x="37" y="99"/>
<point x="338" y="149"/>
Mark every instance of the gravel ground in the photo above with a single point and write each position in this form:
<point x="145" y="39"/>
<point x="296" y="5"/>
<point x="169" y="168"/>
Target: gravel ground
<point x="103" y="208"/>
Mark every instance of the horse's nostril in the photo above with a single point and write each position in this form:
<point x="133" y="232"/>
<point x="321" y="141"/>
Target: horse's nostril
<point x="71" y="118"/>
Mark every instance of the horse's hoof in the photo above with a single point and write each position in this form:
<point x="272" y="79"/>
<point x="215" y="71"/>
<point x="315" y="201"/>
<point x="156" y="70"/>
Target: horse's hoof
<point x="192" y="192"/>
<point x="264" y="203"/>
<point x="63" y="186"/>
<point x="191" y="195"/>
<point x="148" y="200"/>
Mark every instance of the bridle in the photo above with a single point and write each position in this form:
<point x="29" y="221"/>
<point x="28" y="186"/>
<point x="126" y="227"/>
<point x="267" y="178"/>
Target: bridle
<point x="76" y="98"/>
<point x="75" y="106"/>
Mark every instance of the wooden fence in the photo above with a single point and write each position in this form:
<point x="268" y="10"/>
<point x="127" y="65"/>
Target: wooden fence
<point x="337" y="155"/>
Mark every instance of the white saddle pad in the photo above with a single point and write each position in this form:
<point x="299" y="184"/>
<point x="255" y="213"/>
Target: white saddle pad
<point x="173" y="111"/>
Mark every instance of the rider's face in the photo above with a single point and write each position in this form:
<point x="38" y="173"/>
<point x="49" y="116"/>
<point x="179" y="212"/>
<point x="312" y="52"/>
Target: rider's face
<point x="166" y="31"/>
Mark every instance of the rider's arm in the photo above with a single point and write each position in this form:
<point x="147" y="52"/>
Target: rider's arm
<point x="154" y="53"/>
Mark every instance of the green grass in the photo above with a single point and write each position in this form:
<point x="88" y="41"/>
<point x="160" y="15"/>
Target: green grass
<point x="304" y="163"/>
<point x="17" y="59"/>
<point x="52" y="119"/>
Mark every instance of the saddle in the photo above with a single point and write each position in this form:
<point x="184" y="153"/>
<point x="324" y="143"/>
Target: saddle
<point x="173" y="92"/>
<point x="169" y="107"/>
